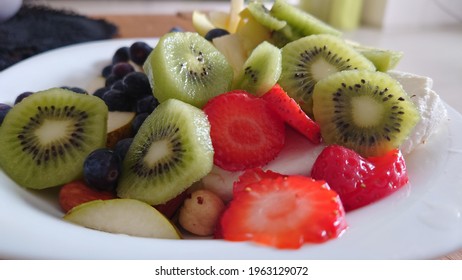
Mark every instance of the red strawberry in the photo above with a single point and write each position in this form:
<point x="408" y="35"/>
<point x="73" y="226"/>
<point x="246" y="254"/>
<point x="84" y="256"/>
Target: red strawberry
<point x="77" y="192"/>
<point x="289" y="110"/>
<point x="245" y="132"/>
<point x="360" y="181"/>
<point x="283" y="211"/>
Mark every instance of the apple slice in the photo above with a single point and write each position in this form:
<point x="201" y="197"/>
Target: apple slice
<point x="123" y="216"/>
<point x="119" y="126"/>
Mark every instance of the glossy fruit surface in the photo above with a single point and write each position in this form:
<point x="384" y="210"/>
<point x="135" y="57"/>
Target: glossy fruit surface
<point x="283" y="211"/>
<point x="245" y="132"/>
<point x="360" y="181"/>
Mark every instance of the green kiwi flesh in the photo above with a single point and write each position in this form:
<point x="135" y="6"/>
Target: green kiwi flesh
<point x="170" y="152"/>
<point x="312" y="58"/>
<point x="383" y="60"/>
<point x="45" y="138"/>
<point x="262" y="15"/>
<point x="185" y="66"/>
<point x="303" y="22"/>
<point x="366" y="111"/>
<point x="261" y="70"/>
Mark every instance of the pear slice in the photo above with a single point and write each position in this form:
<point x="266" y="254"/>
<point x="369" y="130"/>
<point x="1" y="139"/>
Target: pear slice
<point x="123" y="216"/>
<point x="119" y="126"/>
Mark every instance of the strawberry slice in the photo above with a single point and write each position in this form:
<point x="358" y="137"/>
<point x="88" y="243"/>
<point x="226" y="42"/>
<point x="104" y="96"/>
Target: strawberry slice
<point x="283" y="211"/>
<point x="77" y="192"/>
<point x="289" y="110"/>
<point x="245" y="132"/>
<point x="360" y="181"/>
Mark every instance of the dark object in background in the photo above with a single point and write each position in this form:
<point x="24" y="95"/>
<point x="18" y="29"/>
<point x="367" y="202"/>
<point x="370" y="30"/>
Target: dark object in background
<point x="35" y="29"/>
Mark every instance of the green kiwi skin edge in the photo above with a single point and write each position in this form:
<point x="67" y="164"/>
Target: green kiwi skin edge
<point x="366" y="111"/>
<point x="187" y="67"/>
<point x="181" y="133"/>
<point x="63" y="164"/>
<point x="311" y="58"/>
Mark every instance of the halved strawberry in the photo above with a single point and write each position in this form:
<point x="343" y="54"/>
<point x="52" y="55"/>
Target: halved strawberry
<point x="289" y="110"/>
<point x="245" y="132"/>
<point x="360" y="181"/>
<point x="77" y="192"/>
<point x="284" y="212"/>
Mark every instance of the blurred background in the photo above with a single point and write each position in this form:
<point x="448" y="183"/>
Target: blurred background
<point x="345" y="14"/>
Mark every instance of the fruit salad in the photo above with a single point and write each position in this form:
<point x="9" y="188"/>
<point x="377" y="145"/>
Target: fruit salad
<point x="202" y="134"/>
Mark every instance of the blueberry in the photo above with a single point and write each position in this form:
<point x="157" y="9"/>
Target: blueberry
<point x="110" y="80"/>
<point x="100" y="92"/>
<point x="101" y="169"/>
<point x="75" y="89"/>
<point x="176" y="29"/>
<point x="146" y="104"/>
<point x="4" y="109"/>
<point x="215" y="33"/>
<point x="137" y="85"/>
<point x="122" y="54"/>
<point x="121" y="148"/>
<point x="107" y="70"/>
<point x="138" y="121"/>
<point x="21" y="96"/>
<point x="117" y="100"/>
<point x="121" y="69"/>
<point x="139" y="52"/>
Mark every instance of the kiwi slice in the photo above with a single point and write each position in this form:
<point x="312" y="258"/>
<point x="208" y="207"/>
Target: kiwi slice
<point x="170" y="152"/>
<point x="312" y="58"/>
<point x="366" y="111"/>
<point x="383" y="60"/>
<point x="261" y="70"/>
<point x="262" y="15"/>
<point x="303" y="22"/>
<point x="45" y="139"/>
<point x="185" y="66"/>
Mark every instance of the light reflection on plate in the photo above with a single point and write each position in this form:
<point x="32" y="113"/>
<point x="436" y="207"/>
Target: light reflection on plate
<point x="423" y="220"/>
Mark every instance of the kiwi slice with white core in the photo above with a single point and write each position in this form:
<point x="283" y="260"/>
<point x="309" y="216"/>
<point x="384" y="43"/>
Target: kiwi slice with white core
<point x="170" y="152"/>
<point x="312" y="58"/>
<point x="185" y="66"/>
<point x="262" y="15"/>
<point x="305" y="23"/>
<point x="366" y="111"/>
<point x="261" y="70"/>
<point x="45" y="139"/>
<point x="383" y="60"/>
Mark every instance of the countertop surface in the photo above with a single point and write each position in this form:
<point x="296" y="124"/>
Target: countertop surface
<point x="430" y="51"/>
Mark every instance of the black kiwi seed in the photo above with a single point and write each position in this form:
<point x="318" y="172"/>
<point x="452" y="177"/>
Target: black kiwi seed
<point x="46" y="137"/>
<point x="310" y="59"/>
<point x="171" y="151"/>
<point x="170" y="133"/>
<point x="366" y="111"/>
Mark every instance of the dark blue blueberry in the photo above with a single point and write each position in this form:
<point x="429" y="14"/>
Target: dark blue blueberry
<point x="139" y="52"/>
<point x="23" y="95"/>
<point x="107" y="70"/>
<point x="176" y="29"/>
<point x="121" y="69"/>
<point x="117" y="100"/>
<point x="215" y="33"/>
<point x="100" y="92"/>
<point x="146" y="104"/>
<point x="101" y="169"/>
<point x="118" y="85"/>
<point x="138" y="121"/>
<point x="4" y="109"/>
<point x="122" y="54"/>
<point x="137" y="85"/>
<point x="121" y="148"/>
<point x="75" y="89"/>
<point x="110" y="80"/>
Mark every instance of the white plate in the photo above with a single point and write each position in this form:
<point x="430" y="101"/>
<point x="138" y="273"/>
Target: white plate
<point x="423" y="220"/>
